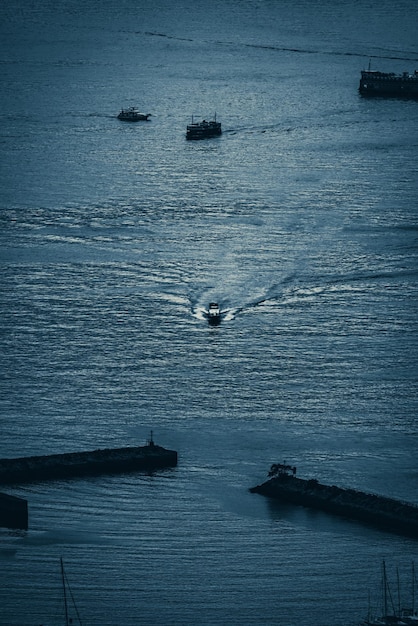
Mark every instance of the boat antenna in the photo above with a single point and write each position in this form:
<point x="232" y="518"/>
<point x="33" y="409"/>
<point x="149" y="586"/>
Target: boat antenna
<point x="370" y="64"/>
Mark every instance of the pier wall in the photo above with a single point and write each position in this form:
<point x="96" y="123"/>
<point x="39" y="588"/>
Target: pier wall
<point x="385" y="513"/>
<point x="78" y="464"/>
<point x="13" y="512"/>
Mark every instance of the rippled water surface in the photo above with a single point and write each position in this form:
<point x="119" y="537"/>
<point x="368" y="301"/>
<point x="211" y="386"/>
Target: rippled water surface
<point x="300" y="220"/>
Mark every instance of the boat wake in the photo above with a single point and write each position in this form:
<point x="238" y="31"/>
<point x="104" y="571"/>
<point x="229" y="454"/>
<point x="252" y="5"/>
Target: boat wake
<point x="229" y="309"/>
<point x="291" y="291"/>
<point x="58" y="537"/>
<point x="398" y="55"/>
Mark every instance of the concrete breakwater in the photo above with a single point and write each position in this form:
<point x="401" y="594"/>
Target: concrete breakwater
<point x="77" y="464"/>
<point x="13" y="512"/>
<point x="379" y="511"/>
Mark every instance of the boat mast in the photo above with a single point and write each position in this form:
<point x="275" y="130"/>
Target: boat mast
<point x="65" y="593"/>
<point x="68" y="620"/>
<point x="385" y="589"/>
<point x="399" y="590"/>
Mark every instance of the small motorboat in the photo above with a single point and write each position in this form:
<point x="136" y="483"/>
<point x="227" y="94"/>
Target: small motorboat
<point x="214" y="314"/>
<point x="133" y="115"/>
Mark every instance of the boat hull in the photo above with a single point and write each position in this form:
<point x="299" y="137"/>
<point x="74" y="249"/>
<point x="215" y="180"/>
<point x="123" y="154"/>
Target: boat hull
<point x="133" y="118"/>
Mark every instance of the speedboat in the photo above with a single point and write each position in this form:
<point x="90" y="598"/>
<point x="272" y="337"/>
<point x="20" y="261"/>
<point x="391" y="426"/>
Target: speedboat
<point x="214" y="314"/>
<point x="133" y="115"/>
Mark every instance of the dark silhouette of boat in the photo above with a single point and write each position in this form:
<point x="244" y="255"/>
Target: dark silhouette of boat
<point x="203" y="129"/>
<point x="385" y="513"/>
<point x="132" y="114"/>
<point x="374" y="83"/>
<point x="214" y="314"/>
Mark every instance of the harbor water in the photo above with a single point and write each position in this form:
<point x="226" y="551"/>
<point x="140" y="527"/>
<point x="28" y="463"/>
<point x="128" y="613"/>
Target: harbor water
<point x="300" y="220"/>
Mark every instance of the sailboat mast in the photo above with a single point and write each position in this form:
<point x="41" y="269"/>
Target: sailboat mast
<point x="385" y="589"/>
<point x="399" y="590"/>
<point x="67" y="622"/>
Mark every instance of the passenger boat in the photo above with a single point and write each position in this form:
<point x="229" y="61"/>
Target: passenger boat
<point x="214" y="314"/>
<point x="203" y="129"/>
<point x="374" y="83"/>
<point x="132" y="114"/>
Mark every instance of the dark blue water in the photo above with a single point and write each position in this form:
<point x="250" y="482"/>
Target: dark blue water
<point x="300" y="220"/>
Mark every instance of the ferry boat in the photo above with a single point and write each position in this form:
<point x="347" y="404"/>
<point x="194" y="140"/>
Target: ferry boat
<point x="374" y="83"/>
<point x="132" y="114"/>
<point x="203" y="129"/>
<point x="214" y="314"/>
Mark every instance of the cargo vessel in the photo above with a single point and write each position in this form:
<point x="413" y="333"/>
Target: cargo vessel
<point x="374" y="83"/>
<point x="78" y="464"/>
<point x="379" y="511"/>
